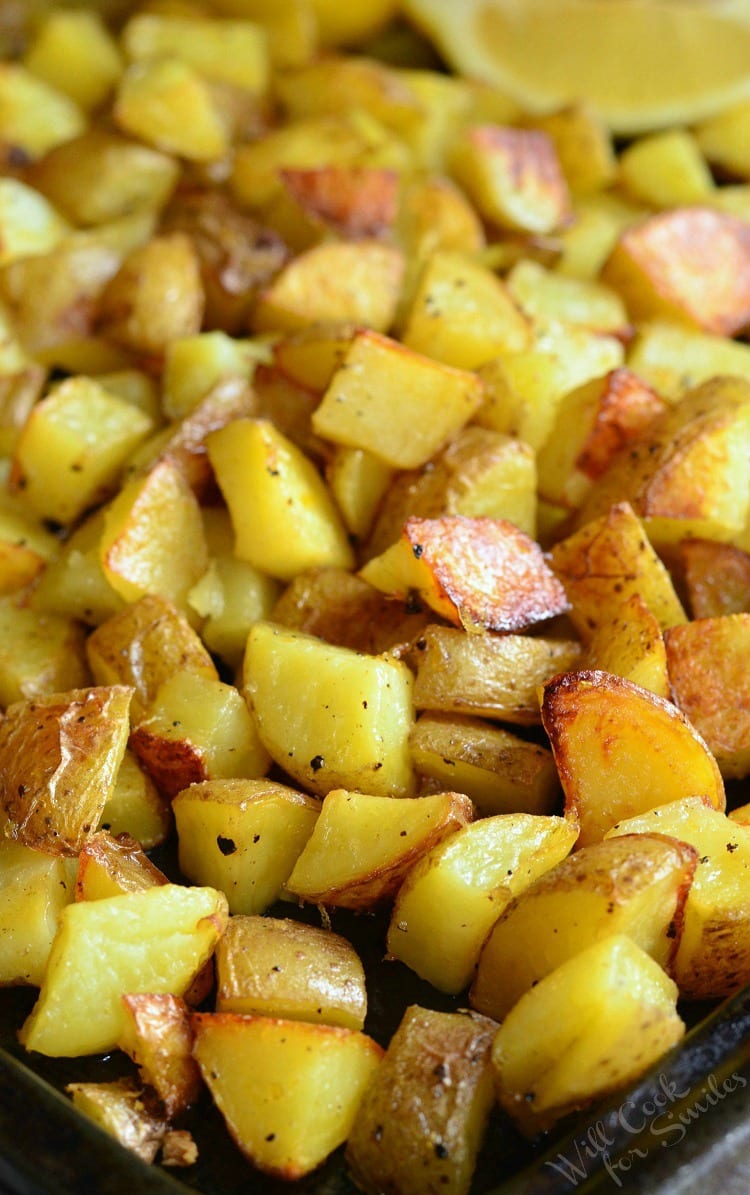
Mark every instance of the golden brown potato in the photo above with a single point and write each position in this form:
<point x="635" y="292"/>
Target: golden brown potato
<point x="621" y="750"/>
<point x="118" y="1108"/>
<point x="353" y="202"/>
<point x="59" y="756"/>
<point x="34" y="889"/>
<point x="637" y="887"/>
<point x="109" y="865"/>
<point x="478" y="573"/>
<point x="156" y="1034"/>
<point x="273" y="967"/>
<point x="422" y="1119"/>
<point x="492" y="676"/>
<point x="716" y="576"/>
<point x="709" y="683"/>
<point x="40" y="653"/>
<point x="362" y="846"/>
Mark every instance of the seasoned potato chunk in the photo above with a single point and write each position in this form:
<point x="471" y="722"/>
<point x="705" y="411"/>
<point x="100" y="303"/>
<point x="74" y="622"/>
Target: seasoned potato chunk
<point x="156" y="1034"/>
<point x="34" y="889"/>
<point x="119" y="1109"/>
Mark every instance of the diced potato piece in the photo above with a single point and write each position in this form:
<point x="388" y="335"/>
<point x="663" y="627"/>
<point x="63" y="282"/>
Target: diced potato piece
<point x="118" y="1108"/>
<point x="109" y="866"/>
<point x="72" y="447"/>
<point x="713" y="957"/>
<point x="74" y="584"/>
<point x="167" y="104"/>
<point x="231" y="596"/>
<point x="362" y="846"/>
<point x="136" y="387"/>
<point x="435" y="215"/>
<point x="289" y="407"/>
<point x="344" y="610"/>
<point x="525" y="389"/>
<point x="593" y="423"/>
<point x="36" y="116"/>
<point x="151" y="941"/>
<point x="690" y="264"/>
<point x="143" y="646"/>
<point x="100" y="176"/>
<point x="497" y="770"/>
<point x="193" y="365"/>
<point x="636" y="886"/>
<point x="478" y="573"/>
<point x="707" y="435"/>
<point x="593" y="1025"/>
<point x="26" y="548"/>
<point x="224" y="51"/>
<point x="630" y="644"/>
<point x="197" y="729"/>
<point x="708" y="679"/>
<point x="422" y="1119"/>
<point x="153" y="540"/>
<point x="725" y="139"/>
<point x="283" y="516"/>
<point x="471" y="877"/>
<point x="672" y="359"/>
<point x="156" y="1034"/>
<point x="586" y="243"/>
<point x="544" y="296"/>
<point x="357" y="280"/>
<point x="335" y="82"/>
<point x="34" y="889"/>
<point x="359" y="481"/>
<point x="285" y="1129"/>
<point x="513" y="176"/>
<point x="351" y="730"/>
<point x="311" y="355"/>
<point x="60" y="755"/>
<point x="666" y="170"/>
<point x="394" y="402"/>
<point x="583" y="145"/>
<point x="605" y="564"/>
<point x="29" y="224"/>
<point x="621" y="750"/>
<point x="462" y="314"/>
<point x="271" y="967"/>
<point x="243" y="837"/>
<point x="135" y="806"/>
<point x="155" y="297"/>
<point x="39" y="653"/>
<point x="493" y="676"/>
<point x="479" y="472"/>
<point x="716" y="577"/>
<point x="353" y="202"/>
<point x="75" y="53"/>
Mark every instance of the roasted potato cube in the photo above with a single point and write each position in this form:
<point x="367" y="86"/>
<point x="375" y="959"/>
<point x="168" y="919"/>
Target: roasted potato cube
<point x="243" y="837"/>
<point x="583" y="145"/>
<point x="608" y="562"/>
<point x="689" y="264"/>
<point x="73" y="584"/>
<point x="593" y="1025"/>
<point x="59" y="756"/>
<point x="230" y="597"/>
<point x="109" y="866"/>
<point x="167" y="104"/>
<point x="352" y="730"/>
<point x="422" y="1119"/>
<point x="471" y="876"/>
<point x="271" y="967"/>
<point x="716" y="577"/>
<point x="285" y="1129"/>
<point x="713" y="956"/>
<point x="221" y="50"/>
<point x="708" y="681"/>
<point x="630" y="644"/>
<point x="395" y="402"/>
<point x="497" y="770"/>
<point x="143" y="646"/>
<point x="479" y="573"/>
<point x="666" y="170"/>
<point x="36" y="116"/>
<point x="135" y="806"/>
<point x="153" y="541"/>
<point x="672" y="358"/>
<point x="707" y="435"/>
<point x="118" y="1108"/>
<point x="492" y="676"/>
<point x="72" y="447"/>
<point x="34" y="889"/>
<point x="311" y="355"/>
<point x="723" y="139"/>
<point x="621" y="750"/>
<point x="284" y="518"/>
<point x="26" y="548"/>
<point x="354" y="202"/>
<point x="513" y="176"/>
<point x="544" y="296"/>
<point x="75" y="53"/>
<point x="359" y="482"/>
<point x="29" y="222"/>
<point x="462" y="314"/>
<point x="39" y="653"/>
<point x="638" y="887"/>
<point x="156" y="1034"/>
<point x="338" y="280"/>
<point x="151" y="941"/>
<point x="362" y="845"/>
<point x="479" y="472"/>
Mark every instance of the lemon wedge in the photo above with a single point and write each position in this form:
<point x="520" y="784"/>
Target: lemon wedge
<point x="641" y="64"/>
